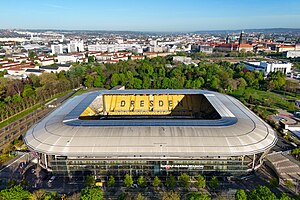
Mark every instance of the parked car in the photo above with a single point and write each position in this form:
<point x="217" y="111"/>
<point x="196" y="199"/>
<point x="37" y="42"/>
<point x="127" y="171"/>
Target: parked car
<point x="51" y="179"/>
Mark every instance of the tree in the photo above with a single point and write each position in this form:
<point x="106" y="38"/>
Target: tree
<point x="16" y="98"/>
<point x="52" y="196"/>
<point x="277" y="78"/>
<point x="39" y="194"/>
<point x="111" y="181"/>
<point x="214" y="83"/>
<point x="90" y="181"/>
<point x="156" y="182"/>
<point x="261" y="193"/>
<point x="34" y="80"/>
<point x="11" y="183"/>
<point x="166" y="83"/>
<point x="141" y="181"/>
<point x="91" y="59"/>
<point x="296" y="152"/>
<point x="240" y="195"/>
<point x="214" y="183"/>
<point x="2" y="73"/>
<point x="115" y="79"/>
<point x="24" y="183"/>
<point x="15" y="193"/>
<point x="273" y="182"/>
<point x="140" y="197"/>
<point x="128" y="180"/>
<point x="296" y="66"/>
<point x="32" y="55"/>
<point x="184" y="180"/>
<point x="77" y="71"/>
<point x="100" y="78"/>
<point x="284" y="196"/>
<point x="98" y="82"/>
<point x="249" y="77"/>
<point x="171" y="181"/>
<point x="288" y="183"/>
<point x="28" y="91"/>
<point x="242" y="84"/>
<point x="14" y="87"/>
<point x="47" y="78"/>
<point x="198" y="83"/>
<point x="74" y="196"/>
<point x="271" y="85"/>
<point x="123" y="196"/>
<point x="89" y="80"/>
<point x="198" y="196"/>
<point x="146" y="82"/>
<point x="170" y="195"/>
<point x="91" y="193"/>
<point x="201" y="182"/>
<point x="3" y="86"/>
<point x="137" y="83"/>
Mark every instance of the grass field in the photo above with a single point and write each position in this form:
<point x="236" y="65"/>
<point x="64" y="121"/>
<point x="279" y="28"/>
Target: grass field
<point x="264" y="98"/>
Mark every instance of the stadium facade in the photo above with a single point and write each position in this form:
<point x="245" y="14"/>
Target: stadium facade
<point x="150" y="132"/>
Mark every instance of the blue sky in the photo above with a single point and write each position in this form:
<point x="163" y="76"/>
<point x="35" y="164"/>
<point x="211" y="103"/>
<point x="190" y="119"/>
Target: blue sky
<point x="145" y="15"/>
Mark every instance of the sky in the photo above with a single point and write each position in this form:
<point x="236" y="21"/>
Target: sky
<point x="149" y="15"/>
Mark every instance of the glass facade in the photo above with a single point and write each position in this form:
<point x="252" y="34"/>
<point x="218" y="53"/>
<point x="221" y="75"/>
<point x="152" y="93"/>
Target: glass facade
<point x="99" y="167"/>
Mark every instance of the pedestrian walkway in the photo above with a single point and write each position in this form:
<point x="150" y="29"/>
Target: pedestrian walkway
<point x="285" y="166"/>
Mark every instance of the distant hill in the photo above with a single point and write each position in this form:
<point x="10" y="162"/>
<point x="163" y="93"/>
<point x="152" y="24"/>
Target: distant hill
<point x="261" y="30"/>
<point x="91" y="32"/>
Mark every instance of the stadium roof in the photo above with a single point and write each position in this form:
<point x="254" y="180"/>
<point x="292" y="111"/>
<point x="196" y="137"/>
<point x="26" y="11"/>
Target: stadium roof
<point x="238" y="132"/>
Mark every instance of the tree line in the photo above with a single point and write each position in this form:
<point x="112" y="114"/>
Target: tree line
<point x="163" y="73"/>
<point x="17" y="95"/>
<point x="18" y="191"/>
<point x="155" y="73"/>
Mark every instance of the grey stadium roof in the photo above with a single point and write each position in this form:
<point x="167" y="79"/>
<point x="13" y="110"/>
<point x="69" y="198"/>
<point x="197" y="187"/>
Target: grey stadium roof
<point x="238" y="132"/>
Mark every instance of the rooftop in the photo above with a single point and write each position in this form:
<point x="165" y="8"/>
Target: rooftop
<point x="237" y="132"/>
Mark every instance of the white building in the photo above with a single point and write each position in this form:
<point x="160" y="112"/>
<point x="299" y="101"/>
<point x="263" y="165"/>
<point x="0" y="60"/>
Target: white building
<point x="62" y="59"/>
<point x="183" y="59"/>
<point x="292" y="54"/>
<point x="112" y="47"/>
<point x="75" y="46"/>
<point x="266" y="67"/>
<point x="137" y="50"/>
<point x="153" y="42"/>
<point x="57" y="49"/>
<point x="58" y="68"/>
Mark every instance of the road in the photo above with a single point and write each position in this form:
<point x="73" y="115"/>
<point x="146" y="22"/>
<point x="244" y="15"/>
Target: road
<point x="14" y="168"/>
<point x="282" y="145"/>
<point x="39" y="178"/>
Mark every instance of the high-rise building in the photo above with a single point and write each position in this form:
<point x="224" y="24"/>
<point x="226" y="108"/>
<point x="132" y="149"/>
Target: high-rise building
<point x="75" y="46"/>
<point x="57" y="49"/>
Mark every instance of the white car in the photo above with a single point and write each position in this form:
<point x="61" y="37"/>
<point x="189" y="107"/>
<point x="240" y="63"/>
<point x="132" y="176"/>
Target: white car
<point x="51" y="179"/>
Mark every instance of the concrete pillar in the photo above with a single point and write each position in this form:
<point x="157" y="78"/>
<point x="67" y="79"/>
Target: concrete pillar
<point x="253" y="163"/>
<point x="46" y="161"/>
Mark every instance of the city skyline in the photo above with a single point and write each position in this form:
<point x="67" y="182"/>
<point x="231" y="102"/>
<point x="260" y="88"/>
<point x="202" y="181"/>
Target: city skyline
<point x="166" y="16"/>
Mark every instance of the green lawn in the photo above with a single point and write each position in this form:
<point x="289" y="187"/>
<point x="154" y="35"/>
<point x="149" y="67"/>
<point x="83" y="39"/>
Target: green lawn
<point x="289" y="95"/>
<point x="79" y="92"/>
<point x="264" y="98"/>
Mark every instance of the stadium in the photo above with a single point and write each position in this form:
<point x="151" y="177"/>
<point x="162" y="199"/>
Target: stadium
<point x="150" y="132"/>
